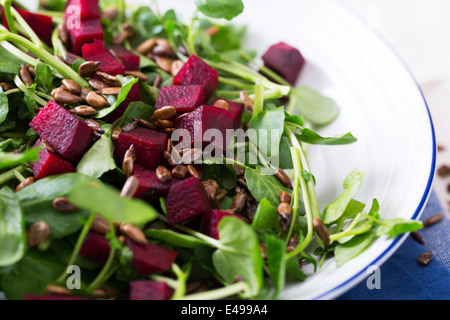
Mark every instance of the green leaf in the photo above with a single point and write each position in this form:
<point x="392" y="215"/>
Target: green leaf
<point x="8" y="62"/>
<point x="175" y="238"/>
<point x="44" y="76"/>
<point x="312" y="137"/>
<point x="99" y="158"/>
<point x="12" y="228"/>
<point x="225" y="175"/>
<point x="262" y="186"/>
<point x="107" y="202"/>
<point x="293" y="269"/>
<point x="351" y="249"/>
<point x="396" y="226"/>
<point x="315" y="107"/>
<point x="145" y="24"/>
<point x="276" y="262"/>
<point x="353" y="208"/>
<point x="337" y="207"/>
<point x="8" y="160"/>
<point x="266" y="218"/>
<point x="229" y="37"/>
<point x="226" y="9"/>
<point x="240" y="254"/>
<point x="4" y="106"/>
<point x="139" y="110"/>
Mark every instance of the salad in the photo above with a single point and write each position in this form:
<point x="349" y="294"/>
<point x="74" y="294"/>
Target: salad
<point x="147" y="158"/>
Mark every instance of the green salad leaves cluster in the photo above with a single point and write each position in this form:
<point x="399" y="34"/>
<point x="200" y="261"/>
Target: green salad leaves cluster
<point x="252" y="259"/>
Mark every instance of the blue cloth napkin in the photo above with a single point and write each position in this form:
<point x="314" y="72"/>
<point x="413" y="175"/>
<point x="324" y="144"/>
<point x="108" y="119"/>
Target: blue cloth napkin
<point x="402" y="278"/>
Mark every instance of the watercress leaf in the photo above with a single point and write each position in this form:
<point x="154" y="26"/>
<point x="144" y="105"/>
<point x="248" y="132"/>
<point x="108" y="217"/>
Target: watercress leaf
<point x="8" y="160"/>
<point x="264" y="186"/>
<point x="99" y="158"/>
<point x="312" y="137"/>
<point x="396" y="226"/>
<point x="351" y="249"/>
<point x="175" y="238"/>
<point x="44" y="76"/>
<point x="266" y="218"/>
<point x="316" y="108"/>
<point x="145" y="24"/>
<point x="32" y="274"/>
<point x="269" y="126"/>
<point x="9" y="63"/>
<point x="276" y="262"/>
<point x="37" y="198"/>
<point x="239" y="254"/>
<point x="293" y="269"/>
<point x="127" y="83"/>
<point x="4" y="106"/>
<point x="294" y="119"/>
<point x="139" y="110"/>
<point x="12" y="228"/>
<point x="229" y="37"/>
<point x="337" y="207"/>
<point x="226" y="9"/>
<point x="106" y="201"/>
<point x="353" y="208"/>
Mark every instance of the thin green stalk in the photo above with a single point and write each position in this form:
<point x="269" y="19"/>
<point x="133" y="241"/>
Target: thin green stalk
<point x="180" y="290"/>
<point x="103" y="275"/>
<point x="11" y="174"/>
<point x="78" y="245"/>
<point x="258" y="99"/>
<point x="170" y="282"/>
<point x="26" y="29"/>
<point x="31" y="93"/>
<point x="58" y="46"/>
<point x="236" y="83"/>
<point x="228" y="291"/>
<point x="19" y="176"/>
<point x="347" y="231"/>
<point x="8" y="15"/>
<point x="18" y="53"/>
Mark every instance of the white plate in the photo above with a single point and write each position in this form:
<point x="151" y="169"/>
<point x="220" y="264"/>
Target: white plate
<point x="380" y="103"/>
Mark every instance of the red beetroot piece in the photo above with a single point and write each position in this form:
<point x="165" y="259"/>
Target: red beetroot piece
<point x="68" y="135"/>
<point x="42" y="25"/>
<point x="133" y="96"/>
<point x="150" y="290"/>
<point x="235" y="108"/>
<point x="151" y="257"/>
<point x="186" y="200"/>
<point x="149" y="182"/>
<point x="88" y="32"/>
<point x="196" y="71"/>
<point x="284" y="60"/>
<point x="211" y="222"/>
<point x="149" y="146"/>
<point x="130" y="60"/>
<point x="82" y="9"/>
<point x="184" y="98"/>
<point x="96" y="51"/>
<point x="206" y="118"/>
<point x="49" y="164"/>
<point x="95" y="247"/>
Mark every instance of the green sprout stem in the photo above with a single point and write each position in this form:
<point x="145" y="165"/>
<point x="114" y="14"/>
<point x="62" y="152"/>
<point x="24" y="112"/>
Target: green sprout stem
<point x="240" y="287"/>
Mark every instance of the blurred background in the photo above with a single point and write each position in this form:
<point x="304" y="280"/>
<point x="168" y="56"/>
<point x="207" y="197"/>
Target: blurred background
<point x="418" y="31"/>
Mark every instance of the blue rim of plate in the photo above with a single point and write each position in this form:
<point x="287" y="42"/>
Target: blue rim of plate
<point x="355" y="279"/>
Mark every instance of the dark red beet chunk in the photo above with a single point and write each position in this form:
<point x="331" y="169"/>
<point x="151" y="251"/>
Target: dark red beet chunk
<point x="235" y="108"/>
<point x="186" y="200"/>
<point x="151" y="257"/>
<point x="95" y="247"/>
<point x="149" y="182"/>
<point x="52" y="297"/>
<point x="42" y="25"/>
<point x="89" y="31"/>
<point x="49" y="164"/>
<point x="133" y="96"/>
<point x="68" y="135"/>
<point x="150" y="290"/>
<point x="196" y="71"/>
<point x="149" y="146"/>
<point x="130" y="60"/>
<point x="284" y="60"/>
<point x="97" y="52"/>
<point x="208" y="118"/>
<point x="87" y="9"/>
<point x="184" y="98"/>
<point x="211" y="221"/>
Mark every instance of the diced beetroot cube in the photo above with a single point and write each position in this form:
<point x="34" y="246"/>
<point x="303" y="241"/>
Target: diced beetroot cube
<point x="184" y="98"/>
<point x="42" y="25"/>
<point x="86" y="9"/>
<point x="149" y="146"/>
<point x="96" y="51"/>
<point x="150" y="290"/>
<point x="49" y="164"/>
<point x="133" y="96"/>
<point x="148" y="181"/>
<point x="186" y="200"/>
<point x="88" y="32"/>
<point x="284" y="60"/>
<point x="236" y="108"/>
<point x="211" y="221"/>
<point x="207" y="117"/>
<point x="52" y="297"/>
<point x="130" y="60"/>
<point x="196" y="71"/>
<point x="151" y="257"/>
<point x="95" y="247"/>
<point x="68" y="135"/>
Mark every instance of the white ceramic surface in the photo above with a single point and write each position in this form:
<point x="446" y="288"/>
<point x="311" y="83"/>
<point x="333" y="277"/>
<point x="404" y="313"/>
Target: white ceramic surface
<point x="380" y="103"/>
